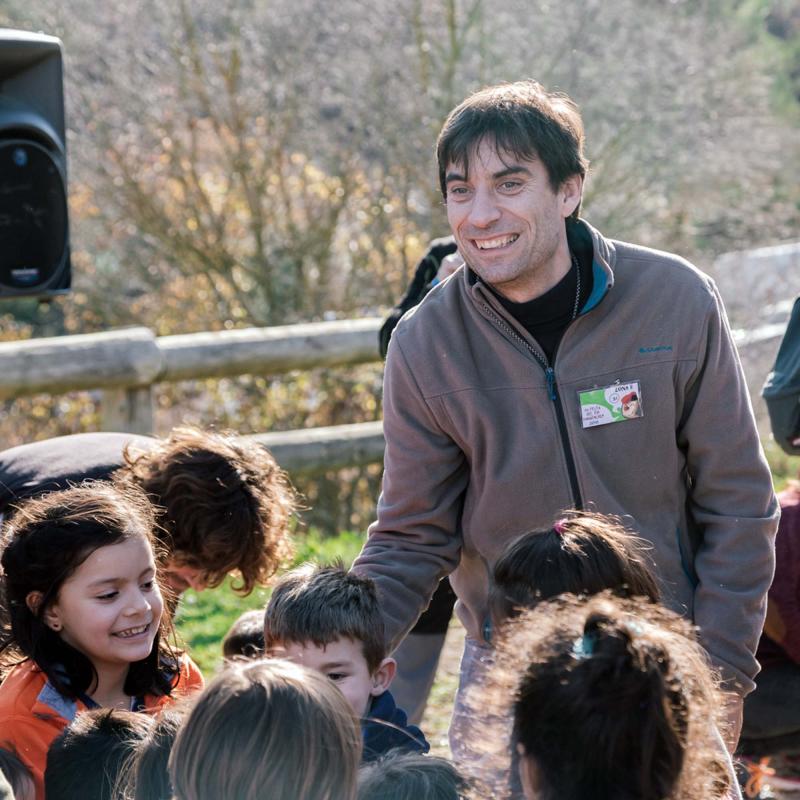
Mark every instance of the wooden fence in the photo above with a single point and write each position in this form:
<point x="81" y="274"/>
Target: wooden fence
<point x="126" y="364"/>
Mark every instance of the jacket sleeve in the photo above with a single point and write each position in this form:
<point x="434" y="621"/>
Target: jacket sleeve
<point x="416" y="538"/>
<point x="731" y="504"/>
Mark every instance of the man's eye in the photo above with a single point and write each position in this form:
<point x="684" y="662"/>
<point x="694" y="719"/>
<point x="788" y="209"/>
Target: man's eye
<point x="458" y="190"/>
<point x="107" y="596"/>
<point x="336" y="676"/>
<point x="510" y="185"/>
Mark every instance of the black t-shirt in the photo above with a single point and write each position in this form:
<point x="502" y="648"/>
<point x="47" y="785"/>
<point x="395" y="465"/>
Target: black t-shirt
<point x="33" y="469"/>
<point x="546" y="317"/>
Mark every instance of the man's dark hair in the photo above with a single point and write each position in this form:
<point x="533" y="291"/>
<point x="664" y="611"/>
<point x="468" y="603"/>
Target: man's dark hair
<point x="86" y="758"/>
<point x="522" y="119"/>
<point x="410" y="776"/>
<point x="322" y="604"/>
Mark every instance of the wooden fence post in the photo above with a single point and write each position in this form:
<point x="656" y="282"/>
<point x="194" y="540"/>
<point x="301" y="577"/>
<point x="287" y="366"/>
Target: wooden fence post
<point x="127" y="410"/>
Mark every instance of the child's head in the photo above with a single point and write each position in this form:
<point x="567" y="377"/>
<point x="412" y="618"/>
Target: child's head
<point x="17" y="774"/>
<point x="146" y="774"/>
<point x="582" y="553"/>
<point x="245" y="638"/>
<point x="328" y="619"/>
<point x="81" y="591"/>
<point x="612" y="698"/>
<point x="224" y="506"/>
<point x="86" y="758"/>
<point x="267" y="730"/>
<point x="410" y="776"/>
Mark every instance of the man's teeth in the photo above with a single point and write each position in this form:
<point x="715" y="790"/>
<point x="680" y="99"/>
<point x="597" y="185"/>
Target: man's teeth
<point x="131" y="632"/>
<point x="500" y="241"/>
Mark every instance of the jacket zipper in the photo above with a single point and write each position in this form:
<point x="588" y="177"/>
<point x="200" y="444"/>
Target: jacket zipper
<point x="552" y="391"/>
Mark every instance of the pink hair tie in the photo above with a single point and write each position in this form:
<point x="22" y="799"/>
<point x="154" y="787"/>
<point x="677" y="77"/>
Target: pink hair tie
<point x="561" y="526"/>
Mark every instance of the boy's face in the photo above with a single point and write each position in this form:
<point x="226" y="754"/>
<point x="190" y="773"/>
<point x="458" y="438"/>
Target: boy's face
<point x="343" y="662"/>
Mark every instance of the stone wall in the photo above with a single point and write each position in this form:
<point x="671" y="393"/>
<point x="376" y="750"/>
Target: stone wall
<point x="759" y="288"/>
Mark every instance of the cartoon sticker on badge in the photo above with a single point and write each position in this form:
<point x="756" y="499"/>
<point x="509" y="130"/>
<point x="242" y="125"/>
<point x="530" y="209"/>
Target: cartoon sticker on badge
<point x="615" y="403"/>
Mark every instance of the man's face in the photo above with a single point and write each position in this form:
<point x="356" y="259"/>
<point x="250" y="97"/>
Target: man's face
<point x="509" y="223"/>
<point x="343" y="663"/>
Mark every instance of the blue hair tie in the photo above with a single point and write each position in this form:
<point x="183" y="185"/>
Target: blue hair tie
<point x="583" y="646"/>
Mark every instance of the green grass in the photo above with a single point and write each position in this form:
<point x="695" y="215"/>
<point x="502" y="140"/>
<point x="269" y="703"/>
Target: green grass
<point x="203" y="619"/>
<point x="784" y="468"/>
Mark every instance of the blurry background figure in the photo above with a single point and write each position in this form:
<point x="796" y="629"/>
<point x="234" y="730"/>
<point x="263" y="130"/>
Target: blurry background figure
<point x="245" y="638"/>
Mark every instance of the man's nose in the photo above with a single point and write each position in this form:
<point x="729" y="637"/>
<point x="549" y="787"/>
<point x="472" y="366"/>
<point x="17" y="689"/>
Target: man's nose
<point x="484" y="210"/>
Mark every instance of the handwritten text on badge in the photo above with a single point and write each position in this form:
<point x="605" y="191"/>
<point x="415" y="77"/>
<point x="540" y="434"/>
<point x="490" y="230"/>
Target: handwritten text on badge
<point x="615" y="403"/>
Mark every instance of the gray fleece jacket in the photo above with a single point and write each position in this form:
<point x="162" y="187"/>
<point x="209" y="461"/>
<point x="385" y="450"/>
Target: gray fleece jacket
<point x="485" y="440"/>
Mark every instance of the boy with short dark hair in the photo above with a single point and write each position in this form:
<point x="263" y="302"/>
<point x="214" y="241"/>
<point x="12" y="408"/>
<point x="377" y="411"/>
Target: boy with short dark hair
<point x="328" y="619"/>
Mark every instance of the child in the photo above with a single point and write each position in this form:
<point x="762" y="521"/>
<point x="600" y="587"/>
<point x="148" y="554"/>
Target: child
<point x="583" y="553"/>
<point x="611" y="698"/>
<point x="85" y="759"/>
<point x="410" y="776"/>
<point x="146" y="774"/>
<point x="328" y="619"/>
<point x="267" y="730"/>
<point x="86" y="617"/>
<point x="18" y="776"/>
<point x="245" y="639"/>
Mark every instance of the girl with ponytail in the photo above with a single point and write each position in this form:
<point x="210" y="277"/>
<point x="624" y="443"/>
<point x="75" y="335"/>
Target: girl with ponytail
<point x="611" y="700"/>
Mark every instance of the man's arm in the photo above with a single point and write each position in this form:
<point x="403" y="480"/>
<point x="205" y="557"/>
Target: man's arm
<point x="731" y="502"/>
<point x="415" y="540"/>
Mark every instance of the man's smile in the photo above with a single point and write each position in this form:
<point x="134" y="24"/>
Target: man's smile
<point x="496" y="242"/>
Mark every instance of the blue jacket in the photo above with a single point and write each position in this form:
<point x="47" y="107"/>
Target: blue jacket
<point x="385" y="727"/>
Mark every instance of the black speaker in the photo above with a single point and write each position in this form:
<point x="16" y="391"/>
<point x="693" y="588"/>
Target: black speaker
<point x="34" y="224"/>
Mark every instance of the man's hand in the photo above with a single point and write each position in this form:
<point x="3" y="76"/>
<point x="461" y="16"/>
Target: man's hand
<point x="731" y="725"/>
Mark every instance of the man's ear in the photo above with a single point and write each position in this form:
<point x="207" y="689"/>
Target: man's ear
<point x="570" y="194"/>
<point x="383" y="676"/>
<point x="51" y="617"/>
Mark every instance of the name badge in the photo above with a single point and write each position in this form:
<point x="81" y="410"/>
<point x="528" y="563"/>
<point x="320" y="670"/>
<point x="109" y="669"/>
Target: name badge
<point x="615" y="403"/>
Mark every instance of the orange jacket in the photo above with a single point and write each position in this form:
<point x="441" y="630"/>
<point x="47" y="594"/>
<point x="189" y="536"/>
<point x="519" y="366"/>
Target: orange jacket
<point x="33" y="713"/>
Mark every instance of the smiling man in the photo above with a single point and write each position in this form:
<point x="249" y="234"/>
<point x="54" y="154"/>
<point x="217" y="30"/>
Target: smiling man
<point x="507" y="397"/>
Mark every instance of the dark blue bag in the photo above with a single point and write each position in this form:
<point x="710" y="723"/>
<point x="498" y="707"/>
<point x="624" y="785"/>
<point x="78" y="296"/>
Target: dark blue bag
<point x="781" y="391"/>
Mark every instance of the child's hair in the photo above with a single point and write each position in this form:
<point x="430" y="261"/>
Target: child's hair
<point x="583" y="553"/>
<point x="268" y="730"/>
<point x="224" y="504"/>
<point x="400" y="775"/>
<point x="245" y="638"/>
<point x="145" y="775"/>
<point x="612" y="698"/>
<point x="45" y="542"/>
<point x="321" y="604"/>
<point x="86" y="758"/>
<point x="16" y="773"/>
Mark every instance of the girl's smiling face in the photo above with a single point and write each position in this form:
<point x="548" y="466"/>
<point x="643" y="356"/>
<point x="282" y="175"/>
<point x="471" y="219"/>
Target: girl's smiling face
<point x="110" y="607"/>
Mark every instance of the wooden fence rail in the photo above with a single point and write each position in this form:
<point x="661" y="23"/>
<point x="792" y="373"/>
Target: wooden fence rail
<point x="126" y="364"/>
